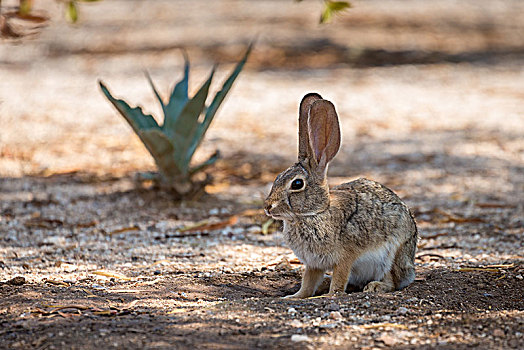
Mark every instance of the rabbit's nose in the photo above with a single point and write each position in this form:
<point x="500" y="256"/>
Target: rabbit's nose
<point x="268" y="208"/>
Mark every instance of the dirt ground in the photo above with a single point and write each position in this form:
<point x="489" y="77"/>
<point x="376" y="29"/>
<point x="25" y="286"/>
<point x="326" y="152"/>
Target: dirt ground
<point x="431" y="100"/>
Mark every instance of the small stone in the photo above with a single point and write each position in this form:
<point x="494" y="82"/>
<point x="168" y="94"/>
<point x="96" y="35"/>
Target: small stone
<point x="335" y="315"/>
<point x="16" y="281"/>
<point x="300" y="338"/>
<point x="328" y="325"/>
<point x="402" y="310"/>
<point x="388" y="340"/>
<point x="498" y="333"/>
<point x="295" y="323"/>
<point x="291" y="310"/>
<point x="519" y="277"/>
<point x="366" y="304"/>
<point x="333" y="307"/>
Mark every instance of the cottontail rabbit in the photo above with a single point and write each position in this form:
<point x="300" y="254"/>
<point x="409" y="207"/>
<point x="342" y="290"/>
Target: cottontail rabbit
<point x="361" y="229"/>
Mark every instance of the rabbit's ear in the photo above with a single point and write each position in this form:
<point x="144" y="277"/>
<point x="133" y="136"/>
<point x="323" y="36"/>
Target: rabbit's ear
<point x="303" y="137"/>
<point x="324" y="134"/>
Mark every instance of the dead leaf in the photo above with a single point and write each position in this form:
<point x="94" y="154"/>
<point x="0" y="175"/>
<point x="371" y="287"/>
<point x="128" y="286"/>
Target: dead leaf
<point x="40" y="222"/>
<point x="448" y="217"/>
<point x="470" y="269"/>
<point x="85" y="224"/>
<point x="72" y="306"/>
<point x="502" y="266"/>
<point x="126" y="291"/>
<point x="111" y="274"/>
<point x="206" y="226"/>
<point x="124" y="229"/>
<point x="434" y="235"/>
<point x="384" y="325"/>
<point x="105" y="313"/>
<point x="495" y="205"/>
<point x="293" y="260"/>
<point x="56" y="283"/>
<point x="252" y="212"/>
<point x="158" y="262"/>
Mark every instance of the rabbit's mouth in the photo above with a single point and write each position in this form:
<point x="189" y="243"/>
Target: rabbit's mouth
<point x="270" y="211"/>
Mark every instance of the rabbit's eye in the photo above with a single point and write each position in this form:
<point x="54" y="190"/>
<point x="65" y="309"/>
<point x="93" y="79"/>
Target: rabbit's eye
<point x="297" y="184"/>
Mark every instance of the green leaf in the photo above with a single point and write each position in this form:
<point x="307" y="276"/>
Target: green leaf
<point x="217" y="101"/>
<point x="162" y="150"/>
<point x="134" y="116"/>
<point x="331" y="8"/>
<point x="178" y="99"/>
<point x="72" y="12"/>
<point x="172" y="145"/>
<point x="186" y="124"/>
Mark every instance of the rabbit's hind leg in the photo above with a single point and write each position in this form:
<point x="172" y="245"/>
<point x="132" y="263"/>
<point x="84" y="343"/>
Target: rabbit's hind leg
<point x="383" y="286"/>
<point x="401" y="272"/>
<point x="403" y="268"/>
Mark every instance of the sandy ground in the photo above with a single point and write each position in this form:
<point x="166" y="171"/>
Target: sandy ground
<point x="430" y="96"/>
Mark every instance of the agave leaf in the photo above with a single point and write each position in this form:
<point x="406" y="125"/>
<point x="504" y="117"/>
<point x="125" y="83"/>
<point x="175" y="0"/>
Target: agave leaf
<point x="159" y="98"/>
<point x="162" y="150"/>
<point x="134" y="116"/>
<point x="178" y="98"/>
<point x="215" y="104"/>
<point x="187" y="123"/>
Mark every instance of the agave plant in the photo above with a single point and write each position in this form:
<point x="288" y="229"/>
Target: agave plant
<point x="173" y="143"/>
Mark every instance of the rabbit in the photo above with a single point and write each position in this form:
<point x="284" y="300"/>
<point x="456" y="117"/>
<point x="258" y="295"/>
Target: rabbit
<point x="361" y="229"/>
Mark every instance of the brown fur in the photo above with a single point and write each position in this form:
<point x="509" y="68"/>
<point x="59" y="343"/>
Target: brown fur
<point x="361" y="229"/>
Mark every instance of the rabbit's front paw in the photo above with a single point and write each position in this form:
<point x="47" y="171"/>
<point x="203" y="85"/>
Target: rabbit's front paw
<point x="377" y="287"/>
<point x="297" y="295"/>
<point x="336" y="294"/>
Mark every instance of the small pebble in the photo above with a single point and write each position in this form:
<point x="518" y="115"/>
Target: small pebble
<point x="333" y="307"/>
<point x="366" y="304"/>
<point x="402" y="310"/>
<point x="291" y="310"/>
<point x="335" y="315"/>
<point x="300" y="338"/>
<point x="519" y="277"/>
<point x="498" y="333"/>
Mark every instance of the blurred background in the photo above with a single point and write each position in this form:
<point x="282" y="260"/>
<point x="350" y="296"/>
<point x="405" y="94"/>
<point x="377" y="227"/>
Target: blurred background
<point x="420" y="72"/>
